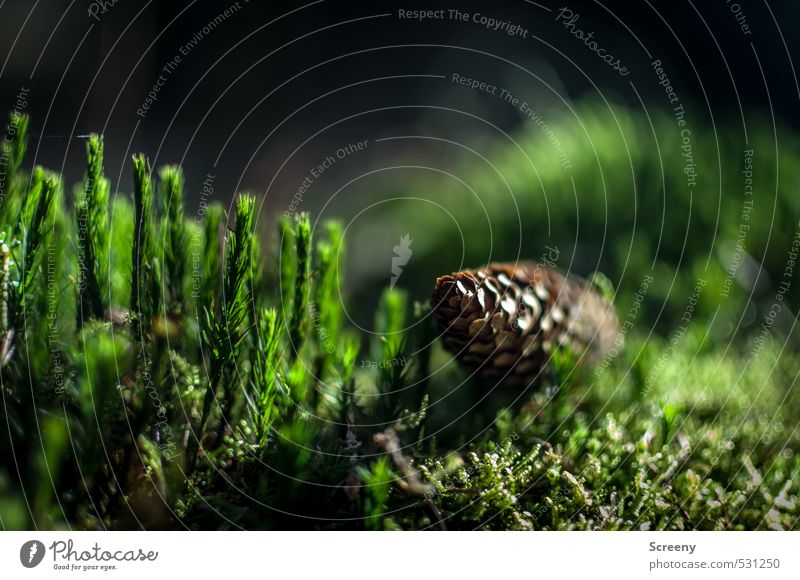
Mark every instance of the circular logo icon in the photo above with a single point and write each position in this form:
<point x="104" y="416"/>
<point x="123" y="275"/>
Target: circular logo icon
<point x="31" y="553"/>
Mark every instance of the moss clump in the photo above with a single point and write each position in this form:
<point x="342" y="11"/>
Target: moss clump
<point x="160" y="374"/>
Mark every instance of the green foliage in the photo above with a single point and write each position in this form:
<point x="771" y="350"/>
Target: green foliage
<point x="377" y="479"/>
<point x="211" y="256"/>
<point x="91" y="215"/>
<point x="34" y="226"/>
<point x="327" y="308"/>
<point x="302" y="253"/>
<point x="388" y="352"/>
<point x="12" y="151"/>
<point x="265" y="369"/>
<point x="96" y="383"/>
<point x="195" y="392"/>
<point x="288" y="264"/>
<point x="6" y="330"/>
<point x="390" y="321"/>
<point x="238" y="260"/>
<point x="145" y="282"/>
<point x="175" y="236"/>
<point x="223" y="335"/>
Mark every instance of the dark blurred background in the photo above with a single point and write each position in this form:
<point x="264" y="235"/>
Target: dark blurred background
<point x="264" y="94"/>
<point x="92" y="73"/>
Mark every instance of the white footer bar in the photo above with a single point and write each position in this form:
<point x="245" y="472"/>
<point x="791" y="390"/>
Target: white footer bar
<point x="401" y="555"/>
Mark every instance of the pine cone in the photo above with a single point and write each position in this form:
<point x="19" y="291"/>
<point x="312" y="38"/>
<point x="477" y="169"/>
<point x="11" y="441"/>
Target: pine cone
<point x="502" y="321"/>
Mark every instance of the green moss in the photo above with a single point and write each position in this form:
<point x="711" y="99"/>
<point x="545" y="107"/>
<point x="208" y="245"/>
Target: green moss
<point x="207" y="393"/>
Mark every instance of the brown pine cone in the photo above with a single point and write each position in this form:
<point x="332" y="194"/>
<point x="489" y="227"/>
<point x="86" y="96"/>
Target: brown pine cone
<point x="502" y="321"/>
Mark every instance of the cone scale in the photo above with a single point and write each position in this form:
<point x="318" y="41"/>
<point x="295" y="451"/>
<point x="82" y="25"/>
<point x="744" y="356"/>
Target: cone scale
<point x="503" y="321"/>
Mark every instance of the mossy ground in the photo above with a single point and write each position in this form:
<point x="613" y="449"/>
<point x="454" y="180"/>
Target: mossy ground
<point x="164" y="373"/>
